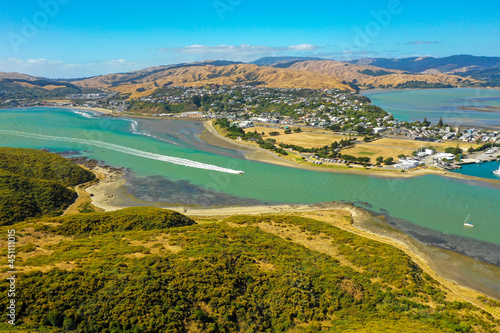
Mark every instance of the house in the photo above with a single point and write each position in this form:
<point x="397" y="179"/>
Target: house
<point x="407" y="164"/>
<point x="378" y="130"/>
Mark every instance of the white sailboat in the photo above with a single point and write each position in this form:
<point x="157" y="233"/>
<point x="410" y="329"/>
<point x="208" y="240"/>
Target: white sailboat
<point x="497" y="172"/>
<point x="467" y="222"/>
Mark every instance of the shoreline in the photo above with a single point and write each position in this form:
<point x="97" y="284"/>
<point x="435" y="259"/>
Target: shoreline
<point x="433" y="260"/>
<point x="85" y="108"/>
<point x="67" y="107"/>
<point x="213" y="137"/>
<point x="384" y="90"/>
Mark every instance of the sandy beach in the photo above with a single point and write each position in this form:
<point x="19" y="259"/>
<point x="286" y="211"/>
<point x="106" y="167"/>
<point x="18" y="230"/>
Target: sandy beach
<point x="110" y="185"/>
<point x="442" y="264"/>
<point x="100" y="110"/>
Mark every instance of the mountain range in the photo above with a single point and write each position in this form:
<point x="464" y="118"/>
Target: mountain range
<point x="453" y="64"/>
<point x="274" y="72"/>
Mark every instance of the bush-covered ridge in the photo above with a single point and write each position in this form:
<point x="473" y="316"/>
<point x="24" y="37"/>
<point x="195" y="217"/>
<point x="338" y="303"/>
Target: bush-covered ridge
<point x="38" y="164"/>
<point x="34" y="183"/>
<point x="22" y="198"/>
<point x="376" y="260"/>
<point x="233" y="276"/>
<point x="123" y="220"/>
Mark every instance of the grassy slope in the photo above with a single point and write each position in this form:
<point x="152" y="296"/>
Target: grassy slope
<point x="37" y="164"/>
<point x="240" y="274"/>
<point x="35" y="183"/>
<point x="141" y="84"/>
<point x="350" y="72"/>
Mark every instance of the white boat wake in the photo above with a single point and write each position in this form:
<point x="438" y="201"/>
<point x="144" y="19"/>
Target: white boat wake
<point x="134" y="130"/>
<point x="125" y="150"/>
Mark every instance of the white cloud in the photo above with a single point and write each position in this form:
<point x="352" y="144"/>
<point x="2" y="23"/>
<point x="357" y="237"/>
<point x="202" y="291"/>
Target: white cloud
<point x="243" y="52"/>
<point x="303" y="47"/>
<point x="60" y="69"/>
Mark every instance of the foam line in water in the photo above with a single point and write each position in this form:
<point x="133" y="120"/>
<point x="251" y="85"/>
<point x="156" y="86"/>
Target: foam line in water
<point x="84" y="114"/>
<point x="134" y="129"/>
<point x="125" y="150"/>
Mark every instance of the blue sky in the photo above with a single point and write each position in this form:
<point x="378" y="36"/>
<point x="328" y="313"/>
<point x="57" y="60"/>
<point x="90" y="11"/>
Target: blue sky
<point x="71" y="38"/>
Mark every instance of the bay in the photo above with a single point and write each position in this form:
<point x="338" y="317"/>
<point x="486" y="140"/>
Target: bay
<point x="457" y="106"/>
<point x="431" y="202"/>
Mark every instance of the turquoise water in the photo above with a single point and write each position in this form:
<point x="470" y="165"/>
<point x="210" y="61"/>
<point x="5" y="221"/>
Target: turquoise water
<point x="413" y="105"/>
<point x="483" y="170"/>
<point x="430" y="201"/>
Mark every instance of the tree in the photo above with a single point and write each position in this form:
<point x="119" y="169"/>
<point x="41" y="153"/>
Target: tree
<point x="364" y="160"/>
<point x="196" y="100"/>
<point x="401" y="156"/>
<point x="335" y="127"/>
<point x="297" y="130"/>
<point x="388" y="161"/>
<point x="360" y="129"/>
<point x="453" y="150"/>
<point x="440" y="122"/>
<point x="426" y="123"/>
<point x="380" y="159"/>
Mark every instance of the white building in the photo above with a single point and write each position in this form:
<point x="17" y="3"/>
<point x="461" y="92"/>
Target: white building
<point x="407" y="164"/>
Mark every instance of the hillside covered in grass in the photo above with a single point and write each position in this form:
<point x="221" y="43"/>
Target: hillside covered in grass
<point x="152" y="270"/>
<point x="34" y="183"/>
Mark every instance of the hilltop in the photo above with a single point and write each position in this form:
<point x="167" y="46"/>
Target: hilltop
<point x="375" y="77"/>
<point x="145" y="82"/>
<point x="486" y="69"/>
<point x="452" y="64"/>
<point x="276" y="273"/>
<point x="35" y="183"/>
<point x="271" y="72"/>
<point x="22" y="86"/>
<point x="274" y="61"/>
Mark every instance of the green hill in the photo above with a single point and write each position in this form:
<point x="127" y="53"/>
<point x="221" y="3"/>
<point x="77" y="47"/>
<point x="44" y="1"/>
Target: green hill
<point x="124" y="220"/>
<point x="242" y="274"/>
<point x="35" y="183"/>
<point x="153" y="270"/>
<point x="38" y="164"/>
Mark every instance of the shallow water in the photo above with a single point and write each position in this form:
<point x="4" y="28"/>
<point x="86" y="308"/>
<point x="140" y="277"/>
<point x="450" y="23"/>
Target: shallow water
<point x="483" y="170"/>
<point x="413" y="105"/>
<point x="432" y="202"/>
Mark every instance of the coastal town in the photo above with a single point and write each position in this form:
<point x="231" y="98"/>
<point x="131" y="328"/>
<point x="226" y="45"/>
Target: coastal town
<point x="242" y="166"/>
<point x="321" y="113"/>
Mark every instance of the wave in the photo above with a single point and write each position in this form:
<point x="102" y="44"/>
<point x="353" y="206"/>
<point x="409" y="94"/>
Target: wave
<point x="125" y="150"/>
<point x="84" y="114"/>
<point x="134" y="130"/>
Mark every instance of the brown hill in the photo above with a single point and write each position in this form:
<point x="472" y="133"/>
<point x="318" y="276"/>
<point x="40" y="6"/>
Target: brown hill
<point x="144" y="82"/>
<point x="47" y="87"/>
<point x="366" y="75"/>
<point x="17" y="76"/>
